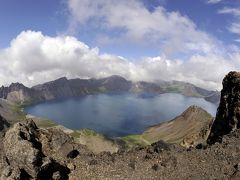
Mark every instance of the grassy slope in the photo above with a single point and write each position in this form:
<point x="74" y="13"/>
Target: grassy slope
<point x="44" y="123"/>
<point x="181" y="88"/>
<point x="94" y="141"/>
<point x="11" y="112"/>
<point x="190" y="128"/>
<point x="18" y="110"/>
<point x="134" y="140"/>
<point x="187" y="128"/>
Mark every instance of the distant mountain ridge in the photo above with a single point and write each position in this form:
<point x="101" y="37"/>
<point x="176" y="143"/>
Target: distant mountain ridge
<point x="63" y="87"/>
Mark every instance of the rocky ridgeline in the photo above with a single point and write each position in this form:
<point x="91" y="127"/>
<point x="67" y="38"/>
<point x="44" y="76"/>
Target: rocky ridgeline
<point x="192" y="127"/>
<point x="35" y="153"/>
<point x="63" y="87"/>
<point x="228" y="113"/>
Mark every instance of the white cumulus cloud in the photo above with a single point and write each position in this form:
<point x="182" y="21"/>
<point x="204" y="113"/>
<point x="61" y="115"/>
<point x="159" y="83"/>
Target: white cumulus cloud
<point x="213" y="1"/>
<point x="34" y="58"/>
<point x="235" y="24"/>
<point x="172" y="32"/>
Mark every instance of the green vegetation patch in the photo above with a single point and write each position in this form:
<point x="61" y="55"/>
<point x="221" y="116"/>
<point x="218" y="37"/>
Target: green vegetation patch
<point x="135" y="140"/>
<point x="19" y="111"/>
<point x="75" y="134"/>
<point x="45" y="123"/>
<point x="102" y="89"/>
<point x="88" y="132"/>
<point x="173" y="89"/>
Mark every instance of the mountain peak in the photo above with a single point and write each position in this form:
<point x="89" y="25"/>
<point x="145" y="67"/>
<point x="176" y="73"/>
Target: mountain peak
<point x="193" y="108"/>
<point x="116" y="77"/>
<point x="60" y="79"/>
<point x="192" y="128"/>
<point x="16" y="85"/>
<point x="57" y="81"/>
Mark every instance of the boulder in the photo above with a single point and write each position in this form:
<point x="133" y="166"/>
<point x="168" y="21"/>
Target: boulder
<point x="31" y="154"/>
<point x="56" y="143"/>
<point x="3" y="123"/>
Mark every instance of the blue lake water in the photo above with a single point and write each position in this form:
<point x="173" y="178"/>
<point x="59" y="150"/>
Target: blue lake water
<point x="117" y="114"/>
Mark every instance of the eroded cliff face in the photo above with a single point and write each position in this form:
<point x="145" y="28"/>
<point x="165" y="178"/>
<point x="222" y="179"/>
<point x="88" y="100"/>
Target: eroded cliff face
<point x="18" y="93"/>
<point x="228" y="113"/>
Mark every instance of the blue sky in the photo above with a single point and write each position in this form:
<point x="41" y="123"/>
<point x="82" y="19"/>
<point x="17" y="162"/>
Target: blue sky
<point x="187" y="40"/>
<point x="51" y="18"/>
<point x="46" y="16"/>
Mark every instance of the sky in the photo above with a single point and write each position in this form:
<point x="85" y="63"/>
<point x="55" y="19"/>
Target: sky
<point x="194" y="41"/>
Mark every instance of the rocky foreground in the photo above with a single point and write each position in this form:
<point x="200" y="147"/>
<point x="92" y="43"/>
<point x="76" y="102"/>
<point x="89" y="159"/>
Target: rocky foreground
<point x="29" y="152"/>
<point x="32" y="153"/>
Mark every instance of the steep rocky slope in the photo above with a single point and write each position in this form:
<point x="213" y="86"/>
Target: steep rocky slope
<point x="9" y="114"/>
<point x="191" y="128"/>
<point x="213" y="97"/>
<point x="188" y="89"/>
<point x="17" y="92"/>
<point x="228" y="114"/>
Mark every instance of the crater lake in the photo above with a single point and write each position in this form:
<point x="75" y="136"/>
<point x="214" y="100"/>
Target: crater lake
<point x="117" y="114"/>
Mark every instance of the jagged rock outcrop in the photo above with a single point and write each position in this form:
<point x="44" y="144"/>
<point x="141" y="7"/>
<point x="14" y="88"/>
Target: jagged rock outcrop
<point x="3" y="123"/>
<point x="228" y="113"/>
<point x="32" y="153"/>
<point x="19" y="93"/>
<point x="9" y="114"/>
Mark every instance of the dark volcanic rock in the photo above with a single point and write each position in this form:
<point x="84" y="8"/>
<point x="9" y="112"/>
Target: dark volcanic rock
<point x="23" y="150"/>
<point x="228" y="114"/>
<point x="28" y="155"/>
<point x="54" y="89"/>
<point x="3" y="123"/>
<point x="56" y="143"/>
<point x="160" y="146"/>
